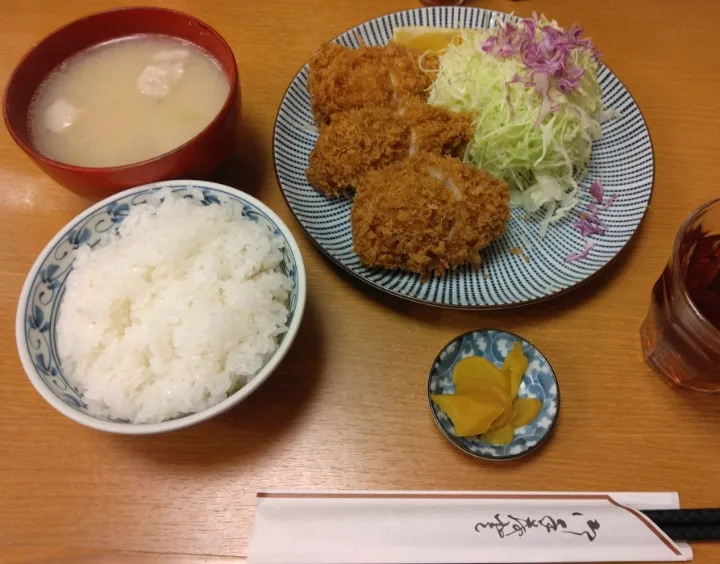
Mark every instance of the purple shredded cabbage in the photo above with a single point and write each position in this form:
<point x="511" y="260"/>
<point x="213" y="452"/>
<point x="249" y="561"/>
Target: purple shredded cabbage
<point x="545" y="54"/>
<point x="590" y="222"/>
<point x="597" y="191"/>
<point x="590" y="225"/>
<point x="582" y="255"/>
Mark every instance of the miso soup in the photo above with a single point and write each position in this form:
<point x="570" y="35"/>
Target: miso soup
<point x="126" y="101"/>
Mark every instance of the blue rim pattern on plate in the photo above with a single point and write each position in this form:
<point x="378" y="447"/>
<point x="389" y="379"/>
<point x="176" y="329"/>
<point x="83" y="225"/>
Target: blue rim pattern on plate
<point x="622" y="161"/>
<point x="48" y="287"/>
<point x="539" y="381"/>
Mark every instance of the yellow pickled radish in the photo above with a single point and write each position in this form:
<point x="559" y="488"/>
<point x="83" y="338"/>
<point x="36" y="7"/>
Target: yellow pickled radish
<point x="498" y="395"/>
<point x="526" y="410"/>
<point x="514" y="368"/>
<point x="500" y="436"/>
<point x="471" y="370"/>
<point x="486" y="402"/>
<point x="471" y="414"/>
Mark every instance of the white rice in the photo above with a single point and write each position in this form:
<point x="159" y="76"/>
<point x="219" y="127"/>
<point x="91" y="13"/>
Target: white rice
<point x="178" y="310"/>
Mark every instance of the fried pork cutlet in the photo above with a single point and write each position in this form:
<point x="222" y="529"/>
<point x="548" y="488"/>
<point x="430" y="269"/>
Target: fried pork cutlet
<point x="344" y="79"/>
<point x="426" y="214"/>
<point x="358" y="141"/>
<point x="437" y="130"/>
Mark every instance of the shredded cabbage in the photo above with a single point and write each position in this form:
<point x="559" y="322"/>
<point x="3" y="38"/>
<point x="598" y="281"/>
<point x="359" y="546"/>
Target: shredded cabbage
<point x="533" y="88"/>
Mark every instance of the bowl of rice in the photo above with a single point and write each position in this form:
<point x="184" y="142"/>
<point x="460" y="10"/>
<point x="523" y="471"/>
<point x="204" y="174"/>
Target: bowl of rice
<point x="160" y="307"/>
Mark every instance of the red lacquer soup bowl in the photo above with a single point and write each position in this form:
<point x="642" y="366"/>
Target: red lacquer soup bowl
<point x="195" y="159"/>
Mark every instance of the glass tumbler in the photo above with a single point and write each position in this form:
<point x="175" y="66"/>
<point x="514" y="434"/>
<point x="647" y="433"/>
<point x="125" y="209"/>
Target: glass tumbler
<point x="680" y="337"/>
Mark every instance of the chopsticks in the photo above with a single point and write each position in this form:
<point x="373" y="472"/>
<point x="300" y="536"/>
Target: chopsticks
<point x="687" y="524"/>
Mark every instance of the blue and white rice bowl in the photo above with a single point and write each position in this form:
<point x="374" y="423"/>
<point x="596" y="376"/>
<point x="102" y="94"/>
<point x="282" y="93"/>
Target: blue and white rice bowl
<point x="42" y="293"/>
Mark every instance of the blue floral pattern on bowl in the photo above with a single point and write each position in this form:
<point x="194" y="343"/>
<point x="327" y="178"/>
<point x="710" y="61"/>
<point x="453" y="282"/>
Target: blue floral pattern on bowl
<point x="48" y="286"/>
<point x="539" y="381"/>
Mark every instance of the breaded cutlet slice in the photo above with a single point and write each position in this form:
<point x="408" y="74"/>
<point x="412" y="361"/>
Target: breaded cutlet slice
<point x="437" y="130"/>
<point x="358" y="141"/>
<point x="426" y="214"/>
<point x="342" y="79"/>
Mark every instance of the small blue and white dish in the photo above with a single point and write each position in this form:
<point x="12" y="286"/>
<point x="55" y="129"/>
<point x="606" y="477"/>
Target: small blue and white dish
<point x="539" y="381"/>
<point x="38" y="307"/>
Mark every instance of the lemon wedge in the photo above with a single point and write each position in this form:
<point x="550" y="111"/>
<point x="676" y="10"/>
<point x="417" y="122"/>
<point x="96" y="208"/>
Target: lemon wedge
<point x="425" y="38"/>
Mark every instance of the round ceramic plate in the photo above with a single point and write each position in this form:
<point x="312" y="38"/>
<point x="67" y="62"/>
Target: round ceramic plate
<point x="538" y="382"/>
<point x="622" y="161"/>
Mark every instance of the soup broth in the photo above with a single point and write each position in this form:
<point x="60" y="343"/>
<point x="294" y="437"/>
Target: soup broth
<point x="126" y="101"/>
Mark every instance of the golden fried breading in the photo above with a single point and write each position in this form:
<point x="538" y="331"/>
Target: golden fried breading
<point x="427" y="213"/>
<point x="437" y="130"/>
<point x="354" y="143"/>
<point x="343" y="79"/>
<point x="358" y="141"/>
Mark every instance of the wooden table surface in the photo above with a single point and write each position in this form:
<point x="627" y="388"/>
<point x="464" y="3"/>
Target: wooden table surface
<point x="348" y="408"/>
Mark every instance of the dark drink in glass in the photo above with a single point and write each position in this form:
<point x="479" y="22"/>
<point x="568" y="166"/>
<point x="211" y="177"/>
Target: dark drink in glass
<point x="680" y="337"/>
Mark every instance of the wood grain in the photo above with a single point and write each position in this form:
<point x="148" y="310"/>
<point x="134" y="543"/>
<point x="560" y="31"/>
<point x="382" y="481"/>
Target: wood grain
<point x="348" y="408"/>
<point x="53" y="555"/>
